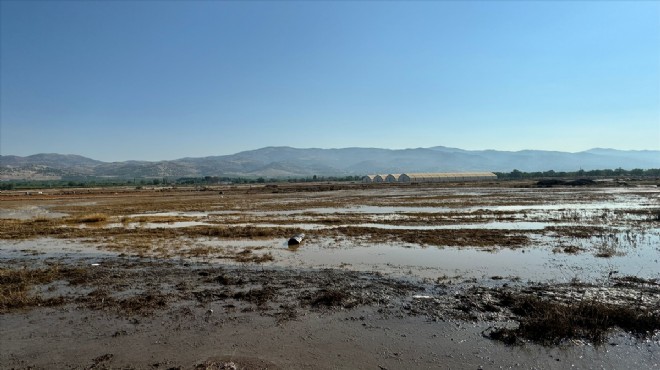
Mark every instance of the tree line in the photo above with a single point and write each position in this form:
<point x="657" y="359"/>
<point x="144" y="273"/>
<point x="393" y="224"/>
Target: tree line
<point x="96" y="182"/>
<point x="619" y="172"/>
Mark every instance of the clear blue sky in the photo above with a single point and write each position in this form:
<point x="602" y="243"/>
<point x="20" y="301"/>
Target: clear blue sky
<point x="150" y="80"/>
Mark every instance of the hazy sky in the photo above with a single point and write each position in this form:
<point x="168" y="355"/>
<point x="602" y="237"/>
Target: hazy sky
<point x="117" y="80"/>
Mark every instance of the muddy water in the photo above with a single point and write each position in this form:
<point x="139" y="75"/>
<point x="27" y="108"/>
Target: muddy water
<point x="527" y="264"/>
<point x="630" y="240"/>
<point x="29" y="212"/>
<point x="156" y="225"/>
<point x="52" y="248"/>
<point x="620" y="220"/>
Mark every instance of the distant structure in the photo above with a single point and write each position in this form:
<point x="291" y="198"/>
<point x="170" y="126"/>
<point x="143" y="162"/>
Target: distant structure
<point x="430" y="177"/>
<point x="447" y="177"/>
<point x="368" y="179"/>
<point x="392" y="177"/>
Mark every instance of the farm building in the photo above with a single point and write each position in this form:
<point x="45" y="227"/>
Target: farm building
<point x="447" y="177"/>
<point x="379" y="178"/>
<point x="368" y="179"/>
<point x="392" y="178"/>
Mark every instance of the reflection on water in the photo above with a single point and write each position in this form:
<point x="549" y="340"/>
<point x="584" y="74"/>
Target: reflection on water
<point x="485" y="225"/>
<point x="538" y="263"/>
<point x="156" y="225"/>
<point x="629" y="245"/>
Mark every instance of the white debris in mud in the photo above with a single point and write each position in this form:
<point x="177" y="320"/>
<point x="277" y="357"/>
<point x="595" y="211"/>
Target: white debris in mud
<point x="612" y="295"/>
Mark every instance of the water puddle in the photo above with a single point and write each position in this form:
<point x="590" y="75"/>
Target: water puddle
<point x="363" y="209"/>
<point x="154" y="225"/>
<point x="485" y="225"/>
<point x="538" y="263"/>
<point x="570" y="206"/>
<point x="170" y="214"/>
<point x="29" y="212"/>
<point x="51" y="248"/>
<point x="629" y="246"/>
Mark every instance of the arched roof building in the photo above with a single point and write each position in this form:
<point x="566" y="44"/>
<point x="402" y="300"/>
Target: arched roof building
<point x="392" y="177"/>
<point x="447" y="177"/>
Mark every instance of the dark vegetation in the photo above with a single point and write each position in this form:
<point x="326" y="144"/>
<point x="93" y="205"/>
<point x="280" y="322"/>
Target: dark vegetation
<point x="94" y="182"/>
<point x="581" y="174"/>
<point x="101" y="182"/>
<point x="17" y="285"/>
<point x="556" y="182"/>
<point x="141" y="288"/>
<point x="551" y="323"/>
<point x="448" y="237"/>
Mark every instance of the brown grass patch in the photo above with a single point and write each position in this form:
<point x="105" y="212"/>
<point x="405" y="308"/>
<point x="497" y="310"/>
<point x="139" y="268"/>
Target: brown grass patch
<point x="156" y="219"/>
<point x="257" y="296"/>
<point x="570" y="249"/>
<point x="200" y="251"/>
<point x="446" y="237"/>
<point x="581" y="232"/>
<point x="92" y="218"/>
<point x="329" y="298"/>
<point x="551" y="323"/>
<point x="143" y="304"/>
<point x="16" y="285"/>
<point x="605" y="251"/>
<point x="635" y="280"/>
<point x="246" y="256"/>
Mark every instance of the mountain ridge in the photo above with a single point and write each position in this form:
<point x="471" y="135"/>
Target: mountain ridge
<point x="285" y="161"/>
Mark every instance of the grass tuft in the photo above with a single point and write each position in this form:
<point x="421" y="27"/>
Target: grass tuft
<point x="551" y="323"/>
<point x="93" y="218"/>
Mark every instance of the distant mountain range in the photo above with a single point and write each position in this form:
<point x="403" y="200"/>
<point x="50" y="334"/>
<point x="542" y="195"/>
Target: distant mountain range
<point x="293" y="162"/>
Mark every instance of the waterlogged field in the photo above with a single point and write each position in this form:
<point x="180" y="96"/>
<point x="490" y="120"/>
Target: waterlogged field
<point x="582" y="234"/>
<point x="543" y="266"/>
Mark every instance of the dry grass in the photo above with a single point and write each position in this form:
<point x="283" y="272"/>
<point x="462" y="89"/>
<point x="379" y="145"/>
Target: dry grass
<point x="257" y="296"/>
<point x="549" y="322"/>
<point x="447" y="237"/>
<point x="570" y="249"/>
<point x="246" y="256"/>
<point x="200" y="251"/>
<point x="92" y="218"/>
<point x="142" y="304"/>
<point x="329" y="298"/>
<point x="17" y="285"/>
<point x="582" y="232"/>
<point x="605" y="251"/>
<point x="155" y="219"/>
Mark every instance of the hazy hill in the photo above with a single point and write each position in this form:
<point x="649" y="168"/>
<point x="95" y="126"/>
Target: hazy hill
<point x="75" y="163"/>
<point x="294" y="162"/>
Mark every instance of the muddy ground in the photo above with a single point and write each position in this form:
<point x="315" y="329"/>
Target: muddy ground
<point x="186" y="279"/>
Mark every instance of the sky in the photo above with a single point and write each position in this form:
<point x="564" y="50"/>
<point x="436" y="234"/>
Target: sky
<point x="158" y="80"/>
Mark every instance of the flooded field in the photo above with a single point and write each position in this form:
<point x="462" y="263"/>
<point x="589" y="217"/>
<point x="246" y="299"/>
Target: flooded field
<point x="529" y="234"/>
<point x="448" y="252"/>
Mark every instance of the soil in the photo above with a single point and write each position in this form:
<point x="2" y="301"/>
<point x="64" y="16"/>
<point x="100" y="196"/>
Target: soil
<point x="88" y="296"/>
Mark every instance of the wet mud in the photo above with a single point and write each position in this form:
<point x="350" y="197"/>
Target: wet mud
<point x="393" y="277"/>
